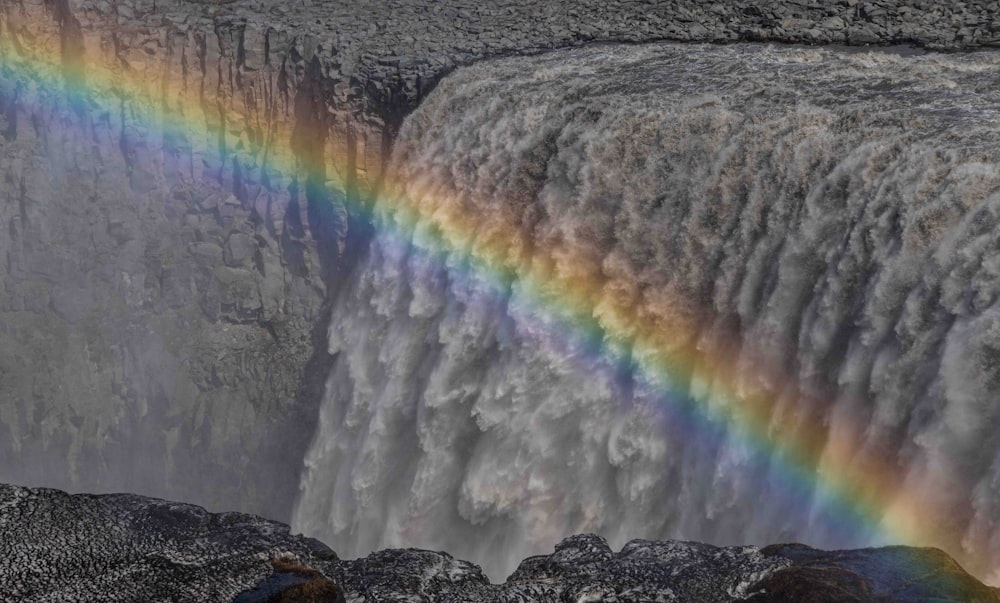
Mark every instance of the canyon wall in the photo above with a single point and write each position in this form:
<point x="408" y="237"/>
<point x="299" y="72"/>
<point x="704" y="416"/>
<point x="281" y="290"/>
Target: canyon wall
<point x="162" y="289"/>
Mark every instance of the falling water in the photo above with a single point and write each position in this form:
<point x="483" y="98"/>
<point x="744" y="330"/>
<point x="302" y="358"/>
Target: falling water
<point x="826" y="219"/>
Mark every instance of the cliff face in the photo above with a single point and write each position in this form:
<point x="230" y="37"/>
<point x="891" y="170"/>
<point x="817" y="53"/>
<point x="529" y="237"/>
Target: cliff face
<point x="61" y="548"/>
<point x="161" y="307"/>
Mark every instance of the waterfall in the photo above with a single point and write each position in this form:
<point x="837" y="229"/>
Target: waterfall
<point x="823" y="222"/>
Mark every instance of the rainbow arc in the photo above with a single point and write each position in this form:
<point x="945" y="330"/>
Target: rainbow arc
<point x="661" y="351"/>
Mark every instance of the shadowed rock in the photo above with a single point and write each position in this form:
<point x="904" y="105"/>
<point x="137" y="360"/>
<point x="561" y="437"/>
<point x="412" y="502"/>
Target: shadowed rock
<point x="880" y="574"/>
<point x="293" y="582"/>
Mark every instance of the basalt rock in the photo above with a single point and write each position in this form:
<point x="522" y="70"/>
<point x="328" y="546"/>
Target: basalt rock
<point x="884" y="574"/>
<point x="58" y="547"/>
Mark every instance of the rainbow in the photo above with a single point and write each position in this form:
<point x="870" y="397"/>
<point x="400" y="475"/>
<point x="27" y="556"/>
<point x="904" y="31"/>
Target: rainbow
<point x="867" y="498"/>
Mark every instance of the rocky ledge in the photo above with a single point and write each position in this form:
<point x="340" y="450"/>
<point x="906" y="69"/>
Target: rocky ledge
<point x="60" y="547"/>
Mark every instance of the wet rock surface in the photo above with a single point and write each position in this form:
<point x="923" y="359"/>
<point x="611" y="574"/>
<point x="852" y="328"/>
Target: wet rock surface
<point x="883" y="574"/>
<point x="163" y="324"/>
<point x="60" y="547"/>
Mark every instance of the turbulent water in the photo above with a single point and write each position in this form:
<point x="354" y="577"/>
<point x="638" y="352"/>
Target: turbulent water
<point x="834" y="216"/>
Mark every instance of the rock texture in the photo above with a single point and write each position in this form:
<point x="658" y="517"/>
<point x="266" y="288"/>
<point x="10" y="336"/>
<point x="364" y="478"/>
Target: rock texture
<point x="161" y="313"/>
<point x="62" y="548"/>
<point x="885" y="574"/>
<point x="58" y="547"/>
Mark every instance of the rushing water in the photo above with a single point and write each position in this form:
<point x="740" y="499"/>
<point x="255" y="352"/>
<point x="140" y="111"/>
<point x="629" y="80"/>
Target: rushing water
<point x="832" y="216"/>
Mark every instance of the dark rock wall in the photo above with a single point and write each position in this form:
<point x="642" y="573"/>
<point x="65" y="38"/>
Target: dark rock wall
<point x="161" y="312"/>
<point x="160" y="305"/>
